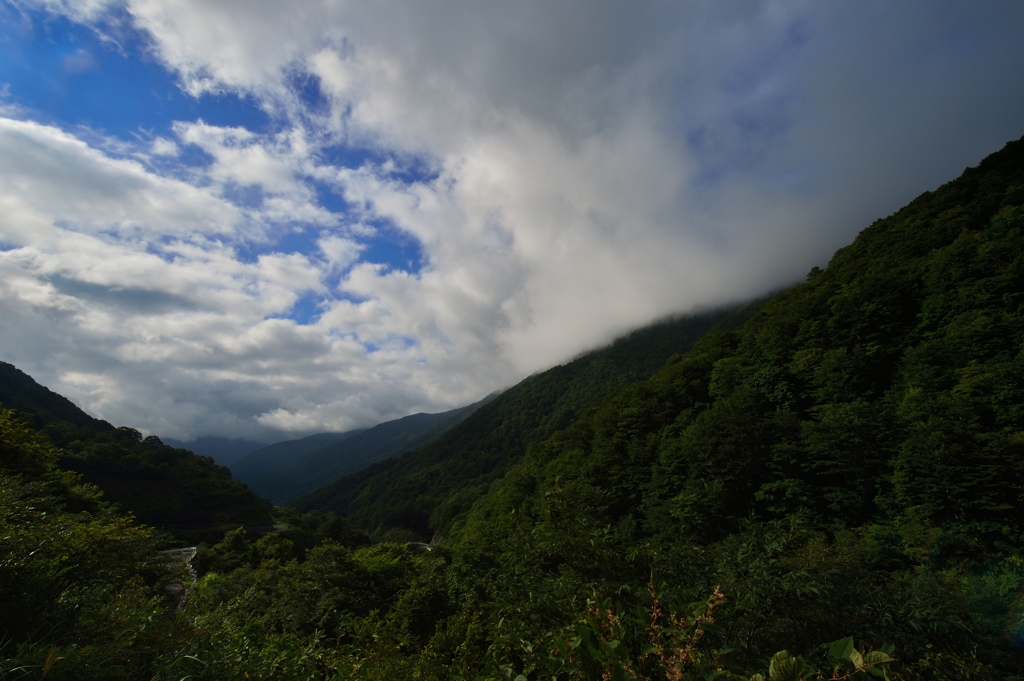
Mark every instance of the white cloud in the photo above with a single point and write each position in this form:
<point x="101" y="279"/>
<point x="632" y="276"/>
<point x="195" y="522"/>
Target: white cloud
<point x="569" y="171"/>
<point x="339" y="252"/>
<point x="81" y="10"/>
<point x="49" y="172"/>
<point x="275" y="165"/>
<point x="162" y="146"/>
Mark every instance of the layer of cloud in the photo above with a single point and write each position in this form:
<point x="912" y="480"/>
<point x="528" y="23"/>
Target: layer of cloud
<point x="569" y="170"/>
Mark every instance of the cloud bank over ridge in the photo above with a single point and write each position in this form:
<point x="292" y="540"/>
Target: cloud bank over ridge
<point x="447" y="196"/>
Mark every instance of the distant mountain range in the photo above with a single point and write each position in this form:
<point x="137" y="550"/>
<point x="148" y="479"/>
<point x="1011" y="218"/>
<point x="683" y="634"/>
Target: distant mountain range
<point x="280" y="472"/>
<point x="224" y="451"/>
<point x="271" y="457"/>
<point x="285" y="471"/>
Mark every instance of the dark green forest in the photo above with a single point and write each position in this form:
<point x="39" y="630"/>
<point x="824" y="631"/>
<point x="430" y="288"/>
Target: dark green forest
<point x="828" y="487"/>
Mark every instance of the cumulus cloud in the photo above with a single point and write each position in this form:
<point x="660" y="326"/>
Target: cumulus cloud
<point x="568" y="171"/>
<point x="162" y="146"/>
<point x="51" y="177"/>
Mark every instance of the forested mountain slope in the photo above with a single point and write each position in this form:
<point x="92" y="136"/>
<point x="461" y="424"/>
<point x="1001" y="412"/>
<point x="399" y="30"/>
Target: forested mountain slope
<point x="83" y="590"/>
<point x="39" y="404"/>
<point x="283" y="453"/>
<point x="65" y="558"/>
<point x="338" y="454"/>
<point x="425" y="490"/>
<point x="174" y="489"/>
<point x="186" y="494"/>
<point x="851" y="459"/>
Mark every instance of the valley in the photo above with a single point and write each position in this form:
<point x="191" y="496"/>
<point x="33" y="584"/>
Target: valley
<point x="825" y="483"/>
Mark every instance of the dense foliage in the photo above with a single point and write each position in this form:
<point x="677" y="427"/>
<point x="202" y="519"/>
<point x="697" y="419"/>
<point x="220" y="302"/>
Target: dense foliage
<point x="173" y="489"/>
<point x="82" y="587"/>
<point x="74" y="575"/>
<point x="831" y="490"/>
<point x="425" y="491"/>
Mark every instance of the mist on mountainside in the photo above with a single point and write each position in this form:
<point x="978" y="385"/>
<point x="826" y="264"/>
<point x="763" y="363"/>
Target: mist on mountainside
<point x="825" y="484"/>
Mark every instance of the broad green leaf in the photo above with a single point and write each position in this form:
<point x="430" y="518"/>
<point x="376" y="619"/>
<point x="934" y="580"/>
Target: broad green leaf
<point x="785" y="667"/>
<point x="841" y="650"/>
<point x="876" y="657"/>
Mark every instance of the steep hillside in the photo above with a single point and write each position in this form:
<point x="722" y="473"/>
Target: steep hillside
<point x="426" y="490"/>
<point x="889" y="384"/>
<point x="40" y="405"/>
<point x="69" y="560"/>
<point x="83" y="590"/>
<point x="303" y="471"/>
<point x="271" y="457"/>
<point x="169" y="488"/>
<point x="851" y="459"/>
<point x="185" y="494"/>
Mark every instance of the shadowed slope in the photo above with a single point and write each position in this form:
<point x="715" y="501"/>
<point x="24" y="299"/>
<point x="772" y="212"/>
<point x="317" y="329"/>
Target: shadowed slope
<point x="287" y="470"/>
<point x="427" y="489"/>
<point x="225" y="451"/>
<point x="271" y="457"/>
<point x="39" y="404"/>
<point x="160" y="485"/>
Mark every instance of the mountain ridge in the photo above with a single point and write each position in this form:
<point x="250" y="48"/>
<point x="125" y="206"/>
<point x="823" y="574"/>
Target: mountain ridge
<point x="223" y="450"/>
<point x="277" y="454"/>
<point x="38" y="403"/>
<point x="434" y="485"/>
<point x="188" y="495"/>
<point x="299" y="472"/>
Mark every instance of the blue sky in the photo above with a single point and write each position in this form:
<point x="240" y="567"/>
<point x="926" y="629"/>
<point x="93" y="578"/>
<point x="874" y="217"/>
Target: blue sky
<point x="259" y="219"/>
<point x="67" y="73"/>
<point x="107" y="83"/>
